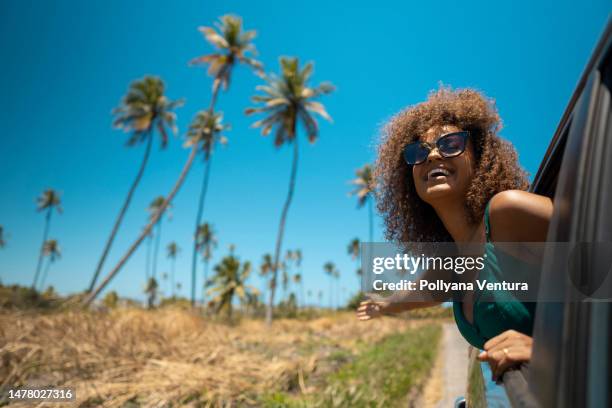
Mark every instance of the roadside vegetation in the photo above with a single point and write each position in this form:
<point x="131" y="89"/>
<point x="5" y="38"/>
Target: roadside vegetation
<point x="210" y="341"/>
<point x="130" y="356"/>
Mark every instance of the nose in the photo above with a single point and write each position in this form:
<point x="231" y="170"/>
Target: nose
<point x="434" y="154"/>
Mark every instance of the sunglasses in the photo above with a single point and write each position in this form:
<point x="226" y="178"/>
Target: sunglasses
<point x="449" y="145"/>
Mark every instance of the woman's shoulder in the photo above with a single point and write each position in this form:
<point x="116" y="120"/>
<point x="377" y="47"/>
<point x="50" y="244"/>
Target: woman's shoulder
<point x="519" y="216"/>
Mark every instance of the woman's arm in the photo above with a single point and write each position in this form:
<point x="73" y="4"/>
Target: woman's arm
<point x="401" y="301"/>
<point x="519" y="216"/>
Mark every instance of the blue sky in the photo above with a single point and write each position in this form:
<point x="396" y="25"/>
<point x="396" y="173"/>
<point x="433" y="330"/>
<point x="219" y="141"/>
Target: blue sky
<point x="66" y="64"/>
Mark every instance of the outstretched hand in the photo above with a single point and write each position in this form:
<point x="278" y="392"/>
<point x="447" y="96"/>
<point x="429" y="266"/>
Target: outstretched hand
<point x="372" y="308"/>
<point x="506" y="350"/>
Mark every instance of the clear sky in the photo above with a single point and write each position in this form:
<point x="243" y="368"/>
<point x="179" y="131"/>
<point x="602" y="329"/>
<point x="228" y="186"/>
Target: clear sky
<point x="67" y="63"/>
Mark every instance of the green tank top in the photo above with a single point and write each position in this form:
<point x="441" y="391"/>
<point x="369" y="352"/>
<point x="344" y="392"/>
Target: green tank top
<point x="491" y="318"/>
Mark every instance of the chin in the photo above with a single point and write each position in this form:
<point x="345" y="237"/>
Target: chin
<point x="438" y="192"/>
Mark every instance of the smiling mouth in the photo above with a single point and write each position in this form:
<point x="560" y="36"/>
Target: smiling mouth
<point x="438" y="172"/>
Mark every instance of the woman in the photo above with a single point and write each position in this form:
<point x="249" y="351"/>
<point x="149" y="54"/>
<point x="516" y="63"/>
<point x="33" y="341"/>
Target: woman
<point x="446" y="176"/>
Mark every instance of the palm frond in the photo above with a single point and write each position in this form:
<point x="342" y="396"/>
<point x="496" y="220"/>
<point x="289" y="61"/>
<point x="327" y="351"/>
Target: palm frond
<point x="287" y="100"/>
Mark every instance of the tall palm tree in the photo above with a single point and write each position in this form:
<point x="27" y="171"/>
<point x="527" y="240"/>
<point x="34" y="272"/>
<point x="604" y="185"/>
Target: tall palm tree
<point x="151" y="291"/>
<point x="232" y="46"/>
<point x="264" y="270"/>
<point x="297" y="257"/>
<point x="229" y="281"/>
<point x="206" y="241"/>
<point x="198" y="132"/>
<point x="172" y="251"/>
<point x="154" y="209"/>
<point x="288" y="99"/>
<point x="286" y="265"/>
<point x="297" y="279"/>
<point x="364" y="190"/>
<point x="2" y="237"/>
<point x="353" y="250"/>
<point x="48" y="201"/>
<point x="143" y="110"/>
<point x="52" y="251"/>
<point x="330" y="269"/>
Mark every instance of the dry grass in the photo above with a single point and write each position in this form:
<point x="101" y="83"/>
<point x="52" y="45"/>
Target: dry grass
<point x="172" y="357"/>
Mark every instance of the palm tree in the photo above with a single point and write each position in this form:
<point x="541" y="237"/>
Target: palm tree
<point x="364" y="190"/>
<point x="265" y="268"/>
<point x="330" y="269"/>
<point x="232" y="46"/>
<point x="205" y="243"/>
<point x="143" y="110"/>
<point x="297" y="279"/>
<point x="285" y="268"/>
<point x="47" y="201"/>
<point x="195" y="136"/>
<point x="53" y="252"/>
<point x="172" y="251"/>
<point x="287" y="100"/>
<point x="2" y="237"/>
<point x="151" y="291"/>
<point x="154" y="209"/>
<point x="353" y="250"/>
<point x="230" y="280"/>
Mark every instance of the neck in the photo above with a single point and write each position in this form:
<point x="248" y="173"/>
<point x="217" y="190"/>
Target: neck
<point x="454" y="216"/>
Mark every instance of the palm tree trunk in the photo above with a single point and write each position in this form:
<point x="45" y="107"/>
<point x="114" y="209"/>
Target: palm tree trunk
<point x="194" y="255"/>
<point x="44" y="276"/>
<point x="41" y="253"/>
<point x="281" y="228"/>
<point x="126" y="204"/>
<point x="205" y="280"/>
<point x="155" y="254"/>
<point x="148" y="261"/>
<point x="147" y="229"/>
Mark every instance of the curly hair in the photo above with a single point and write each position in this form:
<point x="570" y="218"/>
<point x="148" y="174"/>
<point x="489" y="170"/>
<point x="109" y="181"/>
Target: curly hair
<point x="408" y="218"/>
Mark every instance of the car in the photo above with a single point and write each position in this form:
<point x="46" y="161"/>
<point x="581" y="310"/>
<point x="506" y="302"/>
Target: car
<point x="572" y="353"/>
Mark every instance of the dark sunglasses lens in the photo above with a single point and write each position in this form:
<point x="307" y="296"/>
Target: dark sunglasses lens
<point x="452" y="145"/>
<point x="415" y="153"/>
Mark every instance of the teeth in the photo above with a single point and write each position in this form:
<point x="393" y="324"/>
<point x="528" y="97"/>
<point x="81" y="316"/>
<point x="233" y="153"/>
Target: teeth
<point x="438" y="172"/>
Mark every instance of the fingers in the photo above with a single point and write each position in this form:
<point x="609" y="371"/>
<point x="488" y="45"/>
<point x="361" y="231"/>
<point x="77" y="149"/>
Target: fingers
<point x="364" y="305"/>
<point x="506" y="350"/>
<point x="368" y="310"/>
<point x="505" y="363"/>
<point x="498" y="339"/>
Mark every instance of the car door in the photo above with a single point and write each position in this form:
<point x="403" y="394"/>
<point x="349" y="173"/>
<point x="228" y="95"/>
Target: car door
<point x="571" y="359"/>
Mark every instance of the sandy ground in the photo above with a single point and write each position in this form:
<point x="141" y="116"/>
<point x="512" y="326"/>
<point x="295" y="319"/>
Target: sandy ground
<point x="449" y="375"/>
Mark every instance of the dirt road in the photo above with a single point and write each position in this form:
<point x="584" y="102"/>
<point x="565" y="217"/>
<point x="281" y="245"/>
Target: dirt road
<point x="449" y="375"/>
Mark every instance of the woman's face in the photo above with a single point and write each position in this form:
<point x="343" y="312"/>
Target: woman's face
<point x="434" y="187"/>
